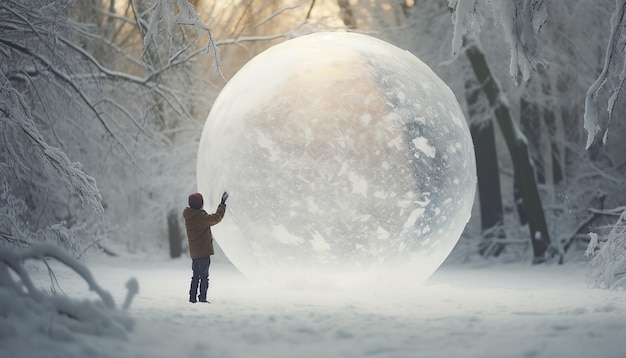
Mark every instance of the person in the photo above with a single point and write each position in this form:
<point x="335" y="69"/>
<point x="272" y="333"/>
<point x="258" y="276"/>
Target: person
<point x="198" y="225"/>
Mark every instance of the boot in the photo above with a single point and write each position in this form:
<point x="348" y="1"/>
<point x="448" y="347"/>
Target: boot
<point x="193" y="290"/>
<point x="204" y="286"/>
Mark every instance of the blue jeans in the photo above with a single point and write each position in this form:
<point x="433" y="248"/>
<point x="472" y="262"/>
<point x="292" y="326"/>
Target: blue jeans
<point x="200" y="278"/>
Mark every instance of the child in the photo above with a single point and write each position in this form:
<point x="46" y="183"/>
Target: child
<point x="198" y="224"/>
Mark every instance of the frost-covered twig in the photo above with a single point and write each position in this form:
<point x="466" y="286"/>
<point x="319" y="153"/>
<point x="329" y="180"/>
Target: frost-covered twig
<point x="282" y="10"/>
<point x="242" y="39"/>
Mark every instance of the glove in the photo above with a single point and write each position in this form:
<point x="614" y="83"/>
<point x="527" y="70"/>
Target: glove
<point x="224" y="197"/>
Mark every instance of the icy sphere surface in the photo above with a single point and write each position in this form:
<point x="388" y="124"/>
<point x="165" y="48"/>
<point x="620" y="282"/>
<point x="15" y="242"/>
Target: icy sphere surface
<point x="343" y="155"/>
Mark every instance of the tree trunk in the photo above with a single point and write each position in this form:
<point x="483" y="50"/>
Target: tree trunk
<point x="487" y="170"/>
<point x="554" y="124"/>
<point x="346" y="14"/>
<point x="531" y="127"/>
<point x="518" y="148"/>
<point x="174" y="234"/>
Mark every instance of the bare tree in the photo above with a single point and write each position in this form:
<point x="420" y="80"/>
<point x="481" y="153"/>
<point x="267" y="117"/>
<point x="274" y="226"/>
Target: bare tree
<point x="487" y="170"/>
<point x="518" y="149"/>
<point x="59" y="101"/>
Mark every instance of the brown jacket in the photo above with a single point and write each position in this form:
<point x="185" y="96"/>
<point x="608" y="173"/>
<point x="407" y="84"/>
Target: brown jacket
<point x="198" y="224"/>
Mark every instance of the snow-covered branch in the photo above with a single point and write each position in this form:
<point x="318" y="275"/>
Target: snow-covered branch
<point x="242" y="39"/>
<point x="173" y="12"/>
<point x="613" y="73"/>
<point x="608" y="266"/>
<point x="14" y="114"/>
<point x="521" y="21"/>
<point x="280" y="11"/>
<point x="56" y="316"/>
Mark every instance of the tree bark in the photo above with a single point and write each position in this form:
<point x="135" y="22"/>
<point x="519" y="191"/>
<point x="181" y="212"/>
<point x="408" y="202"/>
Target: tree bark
<point x="518" y="149"/>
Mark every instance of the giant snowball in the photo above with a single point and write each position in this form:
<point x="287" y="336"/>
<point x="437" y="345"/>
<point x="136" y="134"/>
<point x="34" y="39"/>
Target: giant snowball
<point x="344" y="156"/>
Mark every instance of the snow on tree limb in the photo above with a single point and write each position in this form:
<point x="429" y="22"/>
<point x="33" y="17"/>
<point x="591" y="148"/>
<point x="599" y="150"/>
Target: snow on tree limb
<point x="613" y="72"/>
<point x="608" y="251"/>
<point x="466" y="21"/>
<point x="521" y="21"/>
<point x="63" y="76"/>
<point x="14" y="113"/>
<point x="55" y="317"/>
<point x="42" y="251"/>
<point x="528" y="17"/>
<point x="173" y="12"/>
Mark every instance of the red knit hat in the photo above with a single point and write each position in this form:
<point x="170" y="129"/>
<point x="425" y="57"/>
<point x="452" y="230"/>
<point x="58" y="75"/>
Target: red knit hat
<point x="196" y="201"/>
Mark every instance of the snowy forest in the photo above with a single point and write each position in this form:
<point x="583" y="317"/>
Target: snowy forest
<point x="102" y="104"/>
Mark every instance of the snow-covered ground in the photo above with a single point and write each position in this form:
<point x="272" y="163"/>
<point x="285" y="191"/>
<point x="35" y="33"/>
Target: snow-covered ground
<point x="513" y="310"/>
